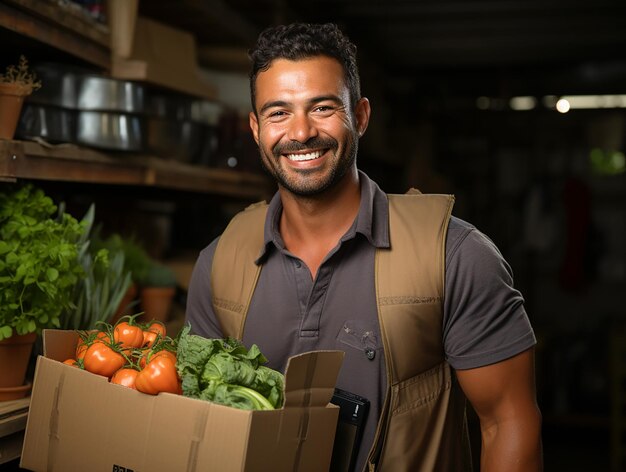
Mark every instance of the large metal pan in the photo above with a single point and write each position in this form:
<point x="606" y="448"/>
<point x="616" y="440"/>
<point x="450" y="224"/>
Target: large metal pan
<point x="104" y="94"/>
<point x="53" y="124"/>
<point x="108" y="130"/>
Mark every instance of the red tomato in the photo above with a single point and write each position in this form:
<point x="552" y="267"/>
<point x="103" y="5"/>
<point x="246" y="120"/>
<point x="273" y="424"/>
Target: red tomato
<point x="71" y="362"/>
<point x="88" y="339"/>
<point x="157" y="327"/>
<point x="149" y="355"/>
<point x="153" y="331"/>
<point x="130" y="336"/>
<point x="101" y="359"/>
<point x="81" y="348"/>
<point x="125" y="377"/>
<point x="102" y="336"/>
<point x="149" y="338"/>
<point x="159" y="375"/>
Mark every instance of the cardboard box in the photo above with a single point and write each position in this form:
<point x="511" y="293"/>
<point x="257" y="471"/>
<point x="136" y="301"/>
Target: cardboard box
<point x="163" y="56"/>
<point x="80" y="421"/>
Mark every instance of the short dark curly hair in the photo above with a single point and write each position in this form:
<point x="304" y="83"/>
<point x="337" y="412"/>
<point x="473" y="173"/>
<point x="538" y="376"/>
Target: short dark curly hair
<point x="299" y="41"/>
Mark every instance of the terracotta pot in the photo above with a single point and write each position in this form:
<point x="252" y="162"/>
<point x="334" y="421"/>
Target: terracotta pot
<point x="14" y="393"/>
<point x="156" y="303"/>
<point x="14" y="356"/>
<point x="11" y="101"/>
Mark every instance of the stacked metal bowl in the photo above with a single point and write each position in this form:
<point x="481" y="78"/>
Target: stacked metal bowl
<point x="77" y="106"/>
<point x="49" y="113"/>
<point x="109" y="114"/>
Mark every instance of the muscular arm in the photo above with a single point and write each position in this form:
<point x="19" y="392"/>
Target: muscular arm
<point x="503" y="396"/>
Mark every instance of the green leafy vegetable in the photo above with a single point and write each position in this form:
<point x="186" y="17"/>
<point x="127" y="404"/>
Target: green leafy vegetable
<point x="224" y="371"/>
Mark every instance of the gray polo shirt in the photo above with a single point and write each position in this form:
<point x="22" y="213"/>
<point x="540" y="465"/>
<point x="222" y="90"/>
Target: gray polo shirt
<point x="484" y="317"/>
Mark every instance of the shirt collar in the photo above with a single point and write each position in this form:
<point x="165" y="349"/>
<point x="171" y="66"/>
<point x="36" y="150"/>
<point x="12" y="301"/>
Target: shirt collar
<point x="372" y="220"/>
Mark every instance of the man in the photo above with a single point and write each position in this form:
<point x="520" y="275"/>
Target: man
<point x="318" y="285"/>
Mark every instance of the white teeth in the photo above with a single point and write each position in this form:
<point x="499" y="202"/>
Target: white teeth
<point x="304" y="157"/>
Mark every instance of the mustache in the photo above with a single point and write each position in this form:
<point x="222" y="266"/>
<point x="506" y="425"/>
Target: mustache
<point x="313" y="143"/>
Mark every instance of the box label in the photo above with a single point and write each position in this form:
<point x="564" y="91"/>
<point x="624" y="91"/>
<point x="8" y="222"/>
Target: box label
<point x="119" y="468"/>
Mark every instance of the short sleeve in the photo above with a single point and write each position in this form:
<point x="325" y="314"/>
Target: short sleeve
<point x="484" y="316"/>
<point x="199" y="312"/>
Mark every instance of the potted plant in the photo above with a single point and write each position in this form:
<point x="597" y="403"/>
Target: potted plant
<point x="39" y="267"/>
<point x="153" y="283"/>
<point x="136" y="263"/>
<point x="15" y="84"/>
<point x="99" y="293"/>
<point x="157" y="292"/>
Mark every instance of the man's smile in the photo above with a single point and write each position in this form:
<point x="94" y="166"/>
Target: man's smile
<point x="304" y="156"/>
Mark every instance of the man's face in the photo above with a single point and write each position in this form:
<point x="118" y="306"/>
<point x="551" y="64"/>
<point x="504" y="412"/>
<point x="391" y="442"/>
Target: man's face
<point x="306" y="132"/>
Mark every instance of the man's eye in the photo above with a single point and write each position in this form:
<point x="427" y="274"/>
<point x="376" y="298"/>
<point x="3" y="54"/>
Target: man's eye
<point x="276" y="114"/>
<point x="323" y="108"/>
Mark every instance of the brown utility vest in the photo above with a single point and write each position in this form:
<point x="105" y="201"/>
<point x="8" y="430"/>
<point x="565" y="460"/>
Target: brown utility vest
<point x="422" y="423"/>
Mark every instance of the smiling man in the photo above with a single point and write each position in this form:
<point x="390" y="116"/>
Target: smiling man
<point x="305" y="125"/>
<point x="421" y="302"/>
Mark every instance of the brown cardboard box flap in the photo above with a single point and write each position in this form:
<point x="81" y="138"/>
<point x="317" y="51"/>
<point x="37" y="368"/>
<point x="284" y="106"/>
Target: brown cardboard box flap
<point x="310" y="378"/>
<point x="163" y="56"/>
<point x="59" y="344"/>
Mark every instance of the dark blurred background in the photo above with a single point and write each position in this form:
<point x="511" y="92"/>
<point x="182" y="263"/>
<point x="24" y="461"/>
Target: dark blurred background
<point x="515" y="106"/>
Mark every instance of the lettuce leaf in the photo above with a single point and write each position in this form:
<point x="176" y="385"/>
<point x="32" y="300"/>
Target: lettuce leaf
<point x="224" y="371"/>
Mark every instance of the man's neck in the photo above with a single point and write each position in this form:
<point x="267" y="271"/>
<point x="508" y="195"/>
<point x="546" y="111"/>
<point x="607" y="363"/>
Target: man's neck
<point x="312" y="226"/>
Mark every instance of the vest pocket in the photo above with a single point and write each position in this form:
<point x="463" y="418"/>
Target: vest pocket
<point x="417" y="430"/>
<point x="421" y="389"/>
<point x="360" y="335"/>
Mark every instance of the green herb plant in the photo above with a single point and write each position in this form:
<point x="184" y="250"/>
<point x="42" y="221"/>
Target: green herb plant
<point x="136" y="259"/>
<point x="39" y="261"/>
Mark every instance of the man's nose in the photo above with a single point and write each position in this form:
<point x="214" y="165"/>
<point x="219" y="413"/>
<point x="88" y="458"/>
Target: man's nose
<point x="301" y="128"/>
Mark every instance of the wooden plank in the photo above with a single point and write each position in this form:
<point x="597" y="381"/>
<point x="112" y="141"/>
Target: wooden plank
<point x="68" y="15"/>
<point x="70" y="163"/>
<point x="181" y="176"/>
<point x="11" y="447"/>
<point x="13" y="416"/>
<point x="61" y="34"/>
<point x="14" y="406"/>
<point x="14" y="423"/>
<point x="29" y="160"/>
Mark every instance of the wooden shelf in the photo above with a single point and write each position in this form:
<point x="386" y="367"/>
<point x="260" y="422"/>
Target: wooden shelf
<point x="69" y="163"/>
<point x="71" y="31"/>
<point x="13" y="416"/>
<point x="61" y="28"/>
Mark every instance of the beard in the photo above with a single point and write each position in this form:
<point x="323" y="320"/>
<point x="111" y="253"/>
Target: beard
<point x="310" y="182"/>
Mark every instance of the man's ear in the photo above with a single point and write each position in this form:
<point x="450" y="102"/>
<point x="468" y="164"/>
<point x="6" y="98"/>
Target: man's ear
<point x="362" y="113"/>
<point x="254" y="126"/>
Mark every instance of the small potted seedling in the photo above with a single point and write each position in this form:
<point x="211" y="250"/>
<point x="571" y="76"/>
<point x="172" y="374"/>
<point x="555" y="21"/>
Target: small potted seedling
<point x="15" y="84"/>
